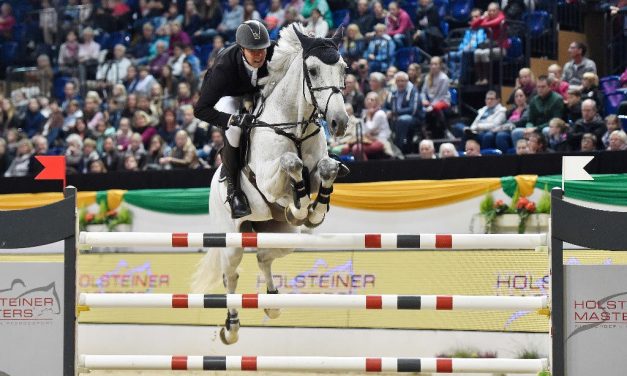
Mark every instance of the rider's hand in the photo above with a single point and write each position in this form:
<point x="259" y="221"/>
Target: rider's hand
<point x="242" y="120"/>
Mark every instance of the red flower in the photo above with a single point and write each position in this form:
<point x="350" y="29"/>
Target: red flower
<point x="530" y="207"/>
<point x="498" y="203"/>
<point x="522" y="202"/>
<point x="89" y="217"/>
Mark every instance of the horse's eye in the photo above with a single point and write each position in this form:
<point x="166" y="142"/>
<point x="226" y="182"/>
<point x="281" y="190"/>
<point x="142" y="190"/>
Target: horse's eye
<point x="313" y="71"/>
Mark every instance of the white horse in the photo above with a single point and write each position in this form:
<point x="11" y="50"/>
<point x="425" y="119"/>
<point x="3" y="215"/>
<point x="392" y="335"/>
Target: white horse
<point x="287" y="160"/>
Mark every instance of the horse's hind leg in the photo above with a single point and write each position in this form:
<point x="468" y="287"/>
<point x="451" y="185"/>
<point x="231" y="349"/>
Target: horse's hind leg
<point x="297" y="210"/>
<point x="327" y="169"/>
<point x="232" y="258"/>
<point x="264" y="260"/>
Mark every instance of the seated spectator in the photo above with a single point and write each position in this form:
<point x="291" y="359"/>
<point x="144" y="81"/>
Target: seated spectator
<point x="89" y="155"/>
<point x="136" y="149"/>
<point x="472" y="148"/>
<point x="322" y="6"/>
<point x="218" y="45"/>
<point x="590" y="122"/>
<point x="211" y="152"/>
<point x="20" y="164"/>
<point x="556" y="83"/>
<point x="428" y="35"/>
<point x="536" y="143"/>
<point x="414" y="71"/>
<point x="526" y="81"/>
<point x="178" y="36"/>
<point x="114" y="71"/>
<point x="426" y="149"/>
<point x="184" y="95"/>
<point x="273" y="26"/>
<point x="380" y="50"/>
<point x="590" y="90"/>
<point x="157" y="150"/>
<point x="572" y="109"/>
<point x="377" y="84"/>
<point x="211" y="15"/>
<point x="48" y="22"/>
<point x="231" y="19"/>
<point x="7" y="21"/>
<point x="343" y="145"/>
<point x="460" y="59"/>
<point x="316" y="25"/>
<point x="612" y="123"/>
<point x="144" y="46"/>
<point x="276" y="10"/>
<point x="189" y="78"/>
<point x="362" y="74"/>
<point x="491" y="19"/>
<point x="183" y="154"/>
<point x="559" y="135"/>
<point x="70" y="93"/>
<point x="363" y="17"/>
<point x="123" y="134"/>
<point x="588" y="143"/>
<point x="380" y="16"/>
<point x="80" y="129"/>
<point x="72" y="114"/>
<point x="376" y="131"/>
<point x="398" y="24"/>
<point x="88" y="54"/>
<point x="160" y="60"/>
<point x="198" y="131"/>
<point x="41" y="78"/>
<point x="176" y="60"/>
<point x="403" y="112"/>
<point x="447" y="150"/>
<point x="353" y="95"/>
<point x="578" y="65"/>
<point x="168" y="126"/>
<point x="73" y="153"/>
<point x="97" y="167"/>
<point x="618" y="141"/>
<point x="34" y="120"/>
<point x="352" y="48"/>
<point x="191" y="19"/>
<point x="68" y="54"/>
<point x="110" y="156"/>
<point x="542" y="108"/>
<point x="489" y="123"/>
<point x="53" y="128"/>
<point x="142" y="126"/>
<point x="91" y="110"/>
<point x="192" y="59"/>
<point x="515" y="9"/>
<point x="521" y="147"/>
<point x="130" y="163"/>
<point x="250" y="11"/>
<point x="517" y="117"/>
<point x="292" y="15"/>
<point x="436" y="98"/>
<point x="390" y="82"/>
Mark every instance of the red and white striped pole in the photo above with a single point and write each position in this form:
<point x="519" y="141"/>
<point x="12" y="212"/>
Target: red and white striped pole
<point x="262" y="301"/>
<point x="312" y="241"/>
<point x="310" y="363"/>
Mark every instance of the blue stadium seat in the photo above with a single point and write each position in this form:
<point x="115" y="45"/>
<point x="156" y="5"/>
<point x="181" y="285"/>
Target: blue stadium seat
<point x="515" y="49"/>
<point x="444" y="28"/>
<point x="442" y="6"/>
<point x="538" y="23"/>
<point x="104" y="40"/>
<point x="203" y="52"/>
<point x="341" y="17"/>
<point x="406" y="56"/>
<point x="454" y="96"/>
<point x="460" y="9"/>
<point x="263" y="6"/>
<point x="58" y="86"/>
<point x="120" y="37"/>
<point x="610" y="84"/>
<point x="491" y="152"/>
<point x="613" y="100"/>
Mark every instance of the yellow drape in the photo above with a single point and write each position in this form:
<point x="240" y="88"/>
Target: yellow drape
<point x="21" y="201"/>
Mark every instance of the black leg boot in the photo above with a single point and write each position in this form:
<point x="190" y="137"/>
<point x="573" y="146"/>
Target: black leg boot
<point x="231" y="166"/>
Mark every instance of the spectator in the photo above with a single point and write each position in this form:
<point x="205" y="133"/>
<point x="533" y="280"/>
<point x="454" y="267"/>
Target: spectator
<point x="559" y="135"/>
<point x="428" y="35"/>
<point x="187" y="76"/>
<point x="178" y="36"/>
<point x="160" y="60"/>
<point x="68" y="54"/>
<point x="273" y="26"/>
<point x="292" y="15"/>
<point x="5" y="162"/>
<point x="80" y="129"/>
<point x="472" y="148"/>
<point x="168" y="126"/>
<point x="590" y="122"/>
<point x="376" y="131"/>
<point x="48" y="22"/>
<point x="517" y="117"/>
<point x="250" y="11"/>
<point x="494" y="47"/>
<point x="97" y="167"/>
<point x="110" y="155"/>
<point x="588" y="143"/>
<point x="542" y="108"/>
<point x="436" y="99"/>
<point x="612" y="123"/>
<point x="390" y="83"/>
<point x="353" y="95"/>
<point x="130" y="163"/>
<point x="184" y="94"/>
<point x="380" y="15"/>
<point x="618" y="141"/>
<point x="191" y="20"/>
<point x="176" y="60"/>
<point x="218" y="46"/>
<point x="7" y="21"/>
<point x="34" y="120"/>
<point x="362" y="70"/>
<point x="91" y="110"/>
<point x="73" y="153"/>
<point x="426" y="149"/>
<point x="536" y="143"/>
<point x="118" y="94"/>
<point x="556" y="83"/>
<point x="489" y="123"/>
<point x="316" y="25"/>
<point x="526" y="81"/>
<point x="322" y="6"/>
<point x="197" y="130"/>
<point x="211" y="151"/>
<point x="343" y="145"/>
<point x="377" y="84"/>
<point x="231" y="19"/>
<point x="124" y="134"/>
<point x="402" y="111"/>
<point x="352" y="47"/>
<point x="414" y="71"/>
<point x="211" y="14"/>
<point x="53" y="128"/>
<point x="572" y="109"/>
<point x="40" y="146"/>
<point x="20" y="164"/>
<point x="136" y="149"/>
<point x="8" y="117"/>
<point x="142" y="48"/>
<point x="276" y="10"/>
<point x="192" y="59"/>
<point x="156" y="151"/>
<point x="43" y="76"/>
<point x="363" y="17"/>
<point x="89" y="155"/>
<point x="460" y="60"/>
<point x="72" y="114"/>
<point x="590" y="90"/>
<point x="447" y="150"/>
<point x="114" y="71"/>
<point x="183" y="154"/>
<point x="380" y="50"/>
<point x="142" y="127"/>
<point x="398" y="24"/>
<point x="578" y="65"/>
<point x="88" y="53"/>
<point x="521" y="147"/>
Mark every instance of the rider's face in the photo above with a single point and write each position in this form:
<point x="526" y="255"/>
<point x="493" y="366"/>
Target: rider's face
<point x="255" y="58"/>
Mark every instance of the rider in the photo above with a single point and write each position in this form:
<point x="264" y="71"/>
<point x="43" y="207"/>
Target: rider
<point x="236" y="73"/>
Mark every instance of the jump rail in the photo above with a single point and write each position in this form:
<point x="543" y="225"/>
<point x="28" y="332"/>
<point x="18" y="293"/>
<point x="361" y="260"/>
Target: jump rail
<point x="311" y="363"/>
<point x="255" y="301"/>
<point x="312" y="241"/>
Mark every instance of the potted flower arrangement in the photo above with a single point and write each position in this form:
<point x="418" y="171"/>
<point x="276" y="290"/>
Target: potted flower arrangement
<point x="105" y="219"/>
<point x="120" y="220"/>
<point x="519" y="216"/>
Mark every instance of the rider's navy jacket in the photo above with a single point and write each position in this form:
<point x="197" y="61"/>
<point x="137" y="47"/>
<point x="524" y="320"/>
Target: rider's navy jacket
<point x="229" y="77"/>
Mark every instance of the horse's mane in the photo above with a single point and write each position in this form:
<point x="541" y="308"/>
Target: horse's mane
<point x="285" y="52"/>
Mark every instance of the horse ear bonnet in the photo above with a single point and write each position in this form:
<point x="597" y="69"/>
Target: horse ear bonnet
<point x="325" y="49"/>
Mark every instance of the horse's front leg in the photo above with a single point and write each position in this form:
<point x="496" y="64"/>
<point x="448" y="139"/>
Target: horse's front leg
<point x="232" y="258"/>
<point x="327" y="169"/>
<point x="297" y="211"/>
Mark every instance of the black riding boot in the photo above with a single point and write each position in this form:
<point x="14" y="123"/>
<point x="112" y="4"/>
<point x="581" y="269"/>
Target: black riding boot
<point x="231" y="166"/>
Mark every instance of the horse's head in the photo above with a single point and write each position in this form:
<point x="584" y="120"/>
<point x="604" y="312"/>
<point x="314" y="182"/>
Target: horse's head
<point x="323" y="71"/>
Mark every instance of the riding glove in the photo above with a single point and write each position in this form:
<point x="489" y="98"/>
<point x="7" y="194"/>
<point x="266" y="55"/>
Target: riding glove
<point x="242" y="120"/>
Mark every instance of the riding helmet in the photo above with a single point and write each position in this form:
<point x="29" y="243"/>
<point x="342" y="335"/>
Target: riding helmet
<point x="252" y="35"/>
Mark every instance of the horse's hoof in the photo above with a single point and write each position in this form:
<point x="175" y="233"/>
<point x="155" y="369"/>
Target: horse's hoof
<point x="272" y="313"/>
<point x="309" y="224"/>
<point x="289" y="217"/>
<point x="228" y="337"/>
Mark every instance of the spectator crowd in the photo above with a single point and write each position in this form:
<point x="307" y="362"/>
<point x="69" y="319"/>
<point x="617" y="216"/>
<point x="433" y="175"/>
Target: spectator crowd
<point x="118" y="93"/>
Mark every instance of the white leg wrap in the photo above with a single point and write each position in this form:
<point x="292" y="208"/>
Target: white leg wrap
<point x="233" y="135"/>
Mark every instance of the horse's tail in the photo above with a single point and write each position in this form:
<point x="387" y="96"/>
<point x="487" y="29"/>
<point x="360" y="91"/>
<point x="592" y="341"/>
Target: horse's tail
<point x="208" y="272"/>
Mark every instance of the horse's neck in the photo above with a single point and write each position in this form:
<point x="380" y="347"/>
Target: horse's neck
<point x="286" y="103"/>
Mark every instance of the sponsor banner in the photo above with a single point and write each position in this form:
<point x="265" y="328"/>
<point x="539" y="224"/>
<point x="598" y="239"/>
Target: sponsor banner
<point x="31" y="318"/>
<point x="596" y="320"/>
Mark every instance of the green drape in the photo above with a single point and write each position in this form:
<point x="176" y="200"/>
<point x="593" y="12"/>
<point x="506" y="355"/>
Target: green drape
<point x="606" y="189"/>
<point x="175" y="201"/>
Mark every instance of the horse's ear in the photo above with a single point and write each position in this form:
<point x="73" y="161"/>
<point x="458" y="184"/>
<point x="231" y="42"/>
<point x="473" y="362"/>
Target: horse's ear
<point x="337" y="37"/>
<point x="305" y="41"/>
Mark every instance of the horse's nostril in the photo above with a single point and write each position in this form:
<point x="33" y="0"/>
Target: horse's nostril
<point x="333" y="125"/>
